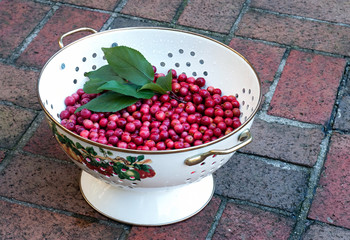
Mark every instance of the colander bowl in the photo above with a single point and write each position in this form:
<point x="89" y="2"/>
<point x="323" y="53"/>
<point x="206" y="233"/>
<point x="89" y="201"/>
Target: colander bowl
<point x="178" y="183"/>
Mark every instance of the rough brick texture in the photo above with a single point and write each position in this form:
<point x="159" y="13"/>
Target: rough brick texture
<point x="326" y="232"/>
<point x="64" y="20"/>
<point x="334" y="11"/>
<point x="13" y="123"/>
<point x="245" y="222"/>
<point x="122" y="22"/>
<point x="2" y="155"/>
<point x="285" y="142"/>
<point x="247" y="178"/>
<point x="152" y="9"/>
<point x="306" y="92"/>
<point x="342" y="119"/>
<point x="196" y="227"/>
<point x="23" y="222"/>
<point x="264" y="58"/>
<point x="331" y="202"/>
<point x="44" y="143"/>
<point x="41" y="181"/>
<point x="209" y="13"/>
<point x="18" y="86"/>
<point x="105" y="4"/>
<point x="15" y="25"/>
<point x="295" y="31"/>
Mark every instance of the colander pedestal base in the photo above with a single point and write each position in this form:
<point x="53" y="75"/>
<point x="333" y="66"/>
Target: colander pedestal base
<point x="147" y="206"/>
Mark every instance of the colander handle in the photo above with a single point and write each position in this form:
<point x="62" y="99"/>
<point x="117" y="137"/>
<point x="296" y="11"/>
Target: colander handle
<point x="245" y="138"/>
<point x="60" y="41"/>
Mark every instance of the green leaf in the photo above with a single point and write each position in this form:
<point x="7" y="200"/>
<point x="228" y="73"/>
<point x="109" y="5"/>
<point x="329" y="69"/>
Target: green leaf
<point x="140" y="157"/>
<point x="61" y="139"/>
<point x="79" y="146"/>
<point x="126" y="89"/>
<point x="129" y="64"/>
<point x="154" y="87"/>
<point x="102" y="150"/>
<point x="166" y="81"/>
<point x="108" y="102"/>
<point x="145" y="167"/>
<point x="91" y="151"/>
<point x="99" y="77"/>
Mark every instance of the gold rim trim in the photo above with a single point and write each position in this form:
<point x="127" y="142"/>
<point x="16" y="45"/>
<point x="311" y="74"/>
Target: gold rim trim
<point x="132" y="151"/>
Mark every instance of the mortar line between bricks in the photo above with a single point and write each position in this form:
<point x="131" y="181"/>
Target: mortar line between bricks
<point x="261" y="207"/>
<point x="108" y="23"/>
<point x="64" y="212"/>
<point x="120" y="5"/>
<point x="175" y="26"/>
<point x="23" y="67"/>
<point x="45" y="2"/>
<point x="84" y="8"/>
<point x="278" y="74"/>
<point x="132" y="17"/>
<point x="285" y="121"/>
<point x="300" y="226"/>
<point x="20" y="49"/>
<point x="113" y="15"/>
<point x="298" y="17"/>
<point x="21" y="142"/>
<point x="341" y="90"/>
<point x="201" y="31"/>
<point x="234" y="27"/>
<point x="30" y="130"/>
<point x="292" y="47"/>
<point x="337" y="226"/>
<point x="57" y="160"/>
<point x="277" y="163"/>
<point x="124" y="235"/>
<point x="216" y="219"/>
<point x="179" y="11"/>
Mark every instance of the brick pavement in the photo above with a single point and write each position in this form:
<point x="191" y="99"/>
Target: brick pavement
<point x="291" y="182"/>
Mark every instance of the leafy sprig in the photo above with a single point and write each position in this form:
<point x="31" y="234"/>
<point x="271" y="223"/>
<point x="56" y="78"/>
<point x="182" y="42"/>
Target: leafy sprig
<point x="126" y="78"/>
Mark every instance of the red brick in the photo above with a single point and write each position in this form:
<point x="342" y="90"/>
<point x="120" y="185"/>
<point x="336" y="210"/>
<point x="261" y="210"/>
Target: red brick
<point x="264" y="58"/>
<point x="207" y="14"/>
<point x="15" y="25"/>
<point x="296" y="32"/>
<point x="44" y="143"/>
<point x="17" y="86"/>
<point x="245" y="222"/>
<point x="323" y="231"/>
<point x="247" y="178"/>
<point x="48" y="183"/>
<point x="306" y="92"/>
<point x="13" y="123"/>
<point x="196" y="227"/>
<point x="22" y="222"/>
<point x="320" y="9"/>
<point x="64" y="20"/>
<point x="105" y="4"/>
<point x="331" y="202"/>
<point x="152" y="9"/>
<point x="284" y="142"/>
<point x="2" y="155"/>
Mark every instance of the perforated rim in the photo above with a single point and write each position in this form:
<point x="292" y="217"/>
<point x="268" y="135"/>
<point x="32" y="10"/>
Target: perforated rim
<point x="148" y="151"/>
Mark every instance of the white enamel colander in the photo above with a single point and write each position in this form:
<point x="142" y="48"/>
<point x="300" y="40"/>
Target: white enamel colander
<point x="177" y="183"/>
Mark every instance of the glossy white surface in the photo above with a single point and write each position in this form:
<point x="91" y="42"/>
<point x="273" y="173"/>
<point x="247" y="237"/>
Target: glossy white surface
<point x="149" y="207"/>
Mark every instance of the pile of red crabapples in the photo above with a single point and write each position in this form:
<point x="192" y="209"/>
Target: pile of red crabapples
<point x="189" y="115"/>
